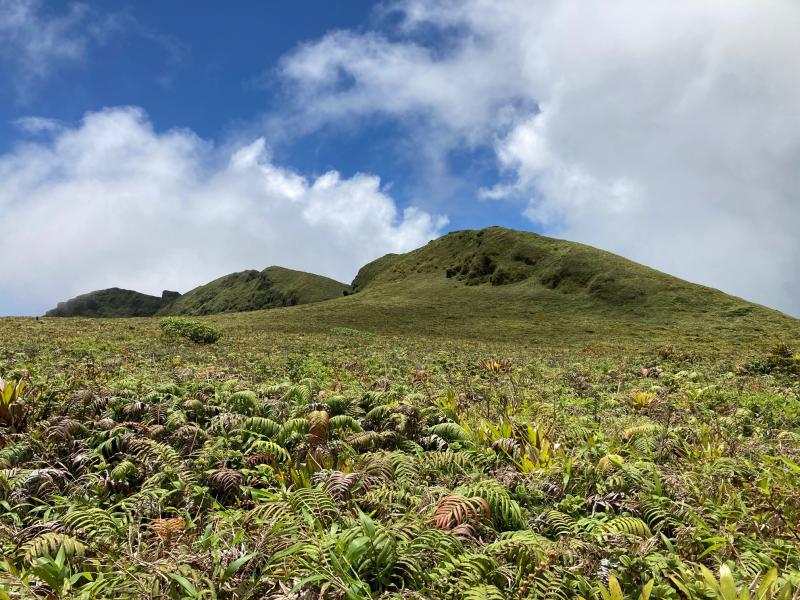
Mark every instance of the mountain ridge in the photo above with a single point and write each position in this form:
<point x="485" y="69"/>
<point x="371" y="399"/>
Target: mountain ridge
<point x="113" y="302"/>
<point x="273" y="287"/>
<point x="498" y="283"/>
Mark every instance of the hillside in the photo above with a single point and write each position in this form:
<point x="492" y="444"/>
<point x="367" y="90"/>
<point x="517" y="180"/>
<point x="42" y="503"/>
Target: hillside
<point x="496" y="413"/>
<point x="501" y="284"/>
<point x="495" y="285"/>
<point x="253" y="290"/>
<point x="112" y="302"/>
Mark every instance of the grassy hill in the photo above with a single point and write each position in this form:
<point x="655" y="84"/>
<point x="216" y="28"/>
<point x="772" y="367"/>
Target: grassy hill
<point x="253" y="290"/>
<point x="505" y="285"/>
<point x="112" y="302"/>
<point x="494" y="285"/>
<point x="527" y="418"/>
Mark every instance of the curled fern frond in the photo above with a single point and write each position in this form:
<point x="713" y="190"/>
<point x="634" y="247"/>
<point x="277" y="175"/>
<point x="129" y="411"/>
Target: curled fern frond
<point x="339" y="485"/>
<point x="452" y="432"/>
<point x="344" y="423"/>
<point x="558" y="523"/>
<point x="125" y="471"/>
<point x="455" y="510"/>
<point x="318" y="422"/>
<point x="262" y="426"/>
<point x="226" y="484"/>
<point x="269" y="448"/>
<point x="506" y="512"/>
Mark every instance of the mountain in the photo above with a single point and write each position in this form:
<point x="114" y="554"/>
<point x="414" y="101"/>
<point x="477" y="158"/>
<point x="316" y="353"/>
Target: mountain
<point x="253" y="290"/>
<point x="493" y="284"/>
<point x="113" y="302"/>
<point x="501" y="284"/>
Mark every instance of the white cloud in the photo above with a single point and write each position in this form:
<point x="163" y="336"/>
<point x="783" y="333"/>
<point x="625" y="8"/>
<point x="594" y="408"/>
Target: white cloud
<point x="38" y="125"/>
<point x="36" y="40"/>
<point x="35" y="43"/>
<point x="112" y="202"/>
<point x="667" y="131"/>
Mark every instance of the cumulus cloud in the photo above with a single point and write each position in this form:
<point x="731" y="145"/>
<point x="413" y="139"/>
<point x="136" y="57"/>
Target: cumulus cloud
<point x="113" y="202"/>
<point x="666" y="131"/>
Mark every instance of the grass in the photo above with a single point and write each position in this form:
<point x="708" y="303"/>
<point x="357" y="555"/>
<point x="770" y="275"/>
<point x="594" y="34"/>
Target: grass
<point x="562" y="294"/>
<point x="253" y="290"/>
<point x="538" y="434"/>
<point x="348" y="463"/>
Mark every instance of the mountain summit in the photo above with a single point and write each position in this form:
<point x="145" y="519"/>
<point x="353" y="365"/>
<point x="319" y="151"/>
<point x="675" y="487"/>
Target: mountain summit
<point x="493" y="283"/>
<point x="497" y="284"/>
<point x="255" y="290"/>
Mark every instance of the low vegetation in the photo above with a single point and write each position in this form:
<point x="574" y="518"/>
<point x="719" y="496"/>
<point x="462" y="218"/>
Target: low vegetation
<point x="495" y="415"/>
<point x="195" y="331"/>
<point x="273" y="287"/>
<point x="347" y="464"/>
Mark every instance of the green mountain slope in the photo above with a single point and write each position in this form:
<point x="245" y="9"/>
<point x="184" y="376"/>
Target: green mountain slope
<point x="253" y="290"/>
<point x="112" y="302"/>
<point x="505" y="285"/>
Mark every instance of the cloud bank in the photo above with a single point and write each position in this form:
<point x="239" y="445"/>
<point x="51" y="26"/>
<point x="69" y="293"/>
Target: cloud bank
<point x="666" y="131"/>
<point x="113" y="202"/>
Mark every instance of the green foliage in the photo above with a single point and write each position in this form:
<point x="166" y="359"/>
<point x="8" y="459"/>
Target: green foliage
<point x="253" y="290"/>
<point x="13" y="409"/>
<point x="200" y="333"/>
<point x="310" y="465"/>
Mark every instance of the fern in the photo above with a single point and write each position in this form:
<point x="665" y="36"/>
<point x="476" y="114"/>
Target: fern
<point x="558" y="523"/>
<point x="452" y="432"/>
<point x="454" y="510"/>
<point x="49" y="544"/>
<point x="262" y="426"/>
<point x="506" y="512"/>
<point x="269" y="448"/>
<point x="483" y="592"/>
<point x="318" y="422"/>
<point x="226" y="484"/>
<point x="96" y="524"/>
<point x="315" y="503"/>
<point x="125" y="471"/>
<point x="344" y="423"/>
<point x="627" y="526"/>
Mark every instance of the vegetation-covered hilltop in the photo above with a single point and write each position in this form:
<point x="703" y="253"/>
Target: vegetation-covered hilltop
<point x="493" y="284"/>
<point x="500" y="284"/>
<point x="113" y="302"/>
<point x="253" y="290"/>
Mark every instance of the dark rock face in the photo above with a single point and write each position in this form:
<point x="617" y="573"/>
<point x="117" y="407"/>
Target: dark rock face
<point x="113" y="302"/>
<point x="168" y="297"/>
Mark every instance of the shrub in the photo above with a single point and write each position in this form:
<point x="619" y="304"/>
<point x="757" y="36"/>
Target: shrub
<point x="195" y="331"/>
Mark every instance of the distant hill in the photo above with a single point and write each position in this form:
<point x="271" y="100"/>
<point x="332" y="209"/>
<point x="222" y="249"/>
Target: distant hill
<point x="113" y="302"/>
<point x="502" y="284"/>
<point x="493" y="284"/>
<point x="253" y="290"/>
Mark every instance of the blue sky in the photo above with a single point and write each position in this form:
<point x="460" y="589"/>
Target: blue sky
<point x="212" y="70"/>
<point x="156" y="145"/>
